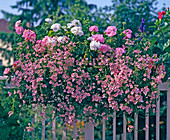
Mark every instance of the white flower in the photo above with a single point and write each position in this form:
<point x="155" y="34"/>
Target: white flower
<point x="95" y="45"/>
<point x="48" y="20"/>
<point x="89" y="38"/>
<point x="51" y="40"/>
<point x="76" y="23"/>
<point x="55" y="27"/>
<point x="69" y="25"/>
<point x="61" y="39"/>
<point x="77" y="31"/>
<point x="81" y="33"/>
<point x="64" y="27"/>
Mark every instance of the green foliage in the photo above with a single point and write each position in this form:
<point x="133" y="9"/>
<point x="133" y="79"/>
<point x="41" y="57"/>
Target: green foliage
<point x="132" y="11"/>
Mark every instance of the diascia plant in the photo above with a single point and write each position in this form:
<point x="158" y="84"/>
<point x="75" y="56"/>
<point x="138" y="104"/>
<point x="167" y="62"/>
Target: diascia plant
<point x="84" y="72"/>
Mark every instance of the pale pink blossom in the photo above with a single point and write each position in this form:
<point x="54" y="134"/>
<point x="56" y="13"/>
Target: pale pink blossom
<point x="94" y="29"/>
<point x="6" y="71"/>
<point x="111" y="31"/>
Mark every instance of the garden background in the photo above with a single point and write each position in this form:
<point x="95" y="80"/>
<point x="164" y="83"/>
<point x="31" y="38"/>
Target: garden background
<point x="34" y="12"/>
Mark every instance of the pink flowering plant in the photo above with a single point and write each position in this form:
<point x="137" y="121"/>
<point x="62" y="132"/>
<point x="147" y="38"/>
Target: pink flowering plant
<point x="84" y="72"/>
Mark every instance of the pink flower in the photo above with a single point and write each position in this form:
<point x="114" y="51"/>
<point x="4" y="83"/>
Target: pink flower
<point x="19" y="30"/>
<point x="111" y="31"/>
<point x="29" y="129"/>
<point x="9" y="93"/>
<point x="94" y="29"/>
<point x="29" y="35"/>
<point x="127" y="33"/>
<point x="17" y="23"/>
<point x="98" y="38"/>
<point x="130" y="128"/>
<point x="103" y="48"/>
<point x="10" y="113"/>
<point x="6" y="71"/>
<point x="119" y="51"/>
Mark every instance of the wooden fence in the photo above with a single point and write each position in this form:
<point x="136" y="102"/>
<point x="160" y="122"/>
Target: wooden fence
<point x="89" y="127"/>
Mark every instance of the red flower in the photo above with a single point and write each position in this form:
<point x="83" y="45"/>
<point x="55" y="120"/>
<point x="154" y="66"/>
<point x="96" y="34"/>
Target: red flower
<point x="152" y="62"/>
<point x="160" y="15"/>
<point x="163" y="12"/>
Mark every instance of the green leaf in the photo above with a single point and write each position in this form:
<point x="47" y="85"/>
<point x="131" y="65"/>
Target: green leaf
<point x="156" y="32"/>
<point x="166" y="46"/>
<point x="153" y="40"/>
<point x="164" y="29"/>
<point x="152" y="27"/>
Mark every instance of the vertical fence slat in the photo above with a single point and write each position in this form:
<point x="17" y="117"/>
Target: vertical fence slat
<point x="103" y="129"/>
<point x="157" y="117"/>
<point x="54" y="125"/>
<point x="43" y="123"/>
<point x="75" y="131"/>
<point x="114" y="125"/>
<point x="33" y="122"/>
<point x="168" y="114"/>
<point x="136" y="127"/>
<point x="147" y="124"/>
<point x="64" y="132"/>
<point x="89" y="131"/>
<point x="124" y="126"/>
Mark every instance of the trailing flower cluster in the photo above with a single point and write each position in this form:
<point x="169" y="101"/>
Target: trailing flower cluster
<point x="85" y="75"/>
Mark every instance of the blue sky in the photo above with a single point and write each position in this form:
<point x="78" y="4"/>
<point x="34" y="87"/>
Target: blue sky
<point x="5" y="4"/>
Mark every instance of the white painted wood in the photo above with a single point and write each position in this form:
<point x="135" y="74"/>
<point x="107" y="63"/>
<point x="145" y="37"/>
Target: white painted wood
<point x="3" y="77"/>
<point x="147" y="124"/>
<point x="64" y="132"/>
<point x="103" y="129"/>
<point x="157" y="117"/>
<point x="89" y="131"/>
<point x="168" y="114"/>
<point x="136" y="127"/>
<point x="54" y="125"/>
<point x="33" y="121"/>
<point x="75" y="131"/>
<point x="114" y="125"/>
<point x="124" y="126"/>
<point x="43" y="123"/>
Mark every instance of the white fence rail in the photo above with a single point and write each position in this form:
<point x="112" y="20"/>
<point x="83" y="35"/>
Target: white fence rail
<point x="89" y="127"/>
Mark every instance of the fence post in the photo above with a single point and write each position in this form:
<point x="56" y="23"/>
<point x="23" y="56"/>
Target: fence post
<point x="64" y="132"/>
<point x="114" y="125"/>
<point x="103" y="128"/>
<point x="147" y="124"/>
<point x="89" y="131"/>
<point x="43" y="123"/>
<point x="75" y="131"/>
<point x="136" y="127"/>
<point x="124" y="126"/>
<point x="54" y="124"/>
<point x="157" y="116"/>
<point x="33" y="121"/>
<point x="168" y="114"/>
